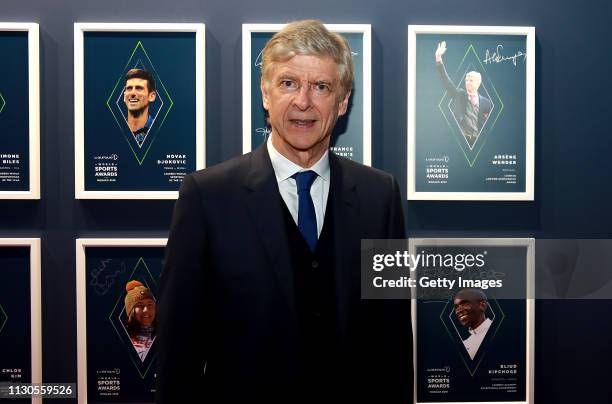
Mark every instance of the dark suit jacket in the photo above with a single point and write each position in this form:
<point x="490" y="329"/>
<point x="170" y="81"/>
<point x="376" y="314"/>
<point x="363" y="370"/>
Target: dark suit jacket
<point x="228" y="327"/>
<point x="460" y="99"/>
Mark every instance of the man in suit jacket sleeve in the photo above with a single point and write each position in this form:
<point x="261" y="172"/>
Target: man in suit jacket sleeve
<point x="248" y="309"/>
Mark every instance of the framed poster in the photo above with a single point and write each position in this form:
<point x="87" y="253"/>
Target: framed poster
<point x="353" y="132"/>
<point x="117" y="289"/>
<point x="20" y="312"/>
<point x="139" y="109"/>
<point x="19" y="112"/>
<point x="471" y="113"/>
<point x="473" y="320"/>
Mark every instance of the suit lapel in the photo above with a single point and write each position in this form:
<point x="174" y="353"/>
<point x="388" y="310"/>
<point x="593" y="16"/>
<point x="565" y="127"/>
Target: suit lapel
<point x="265" y="207"/>
<point x="346" y="216"/>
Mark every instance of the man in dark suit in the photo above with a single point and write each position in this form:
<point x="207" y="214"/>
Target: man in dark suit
<point x="260" y="294"/>
<point x="470" y="108"/>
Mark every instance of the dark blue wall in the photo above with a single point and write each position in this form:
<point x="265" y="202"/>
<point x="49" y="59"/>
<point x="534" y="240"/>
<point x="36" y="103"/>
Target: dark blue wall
<point x="573" y="140"/>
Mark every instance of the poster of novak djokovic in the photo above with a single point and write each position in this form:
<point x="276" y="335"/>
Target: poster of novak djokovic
<point x="141" y="111"/>
<point x="352" y="134"/>
<point x="118" y="292"/>
<point x="471" y="113"/>
<point x="473" y="340"/>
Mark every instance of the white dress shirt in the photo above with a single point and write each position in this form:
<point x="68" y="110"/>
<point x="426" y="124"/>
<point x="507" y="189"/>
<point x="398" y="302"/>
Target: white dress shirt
<point x="472" y="343"/>
<point x="319" y="191"/>
<point x="474" y="99"/>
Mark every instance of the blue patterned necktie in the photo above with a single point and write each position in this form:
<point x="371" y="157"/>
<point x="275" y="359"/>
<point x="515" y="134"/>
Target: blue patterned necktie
<point x="307" y="219"/>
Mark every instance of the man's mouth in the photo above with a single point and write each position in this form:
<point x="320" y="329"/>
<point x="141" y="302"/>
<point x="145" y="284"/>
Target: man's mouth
<point x="303" y="123"/>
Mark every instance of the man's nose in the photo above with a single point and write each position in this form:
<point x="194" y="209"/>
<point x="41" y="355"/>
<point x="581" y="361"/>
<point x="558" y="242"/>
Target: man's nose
<point x="302" y="98"/>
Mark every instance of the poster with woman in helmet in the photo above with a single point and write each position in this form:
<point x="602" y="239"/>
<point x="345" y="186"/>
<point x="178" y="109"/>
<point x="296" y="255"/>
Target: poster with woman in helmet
<point x="117" y="291"/>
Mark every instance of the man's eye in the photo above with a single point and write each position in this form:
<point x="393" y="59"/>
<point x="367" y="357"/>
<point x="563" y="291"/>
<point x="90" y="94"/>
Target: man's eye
<point x="322" y="87"/>
<point x="289" y="84"/>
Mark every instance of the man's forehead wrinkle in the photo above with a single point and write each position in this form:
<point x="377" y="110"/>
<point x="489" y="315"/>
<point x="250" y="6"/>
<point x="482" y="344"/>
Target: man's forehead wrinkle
<point x="282" y="69"/>
<point x="309" y="80"/>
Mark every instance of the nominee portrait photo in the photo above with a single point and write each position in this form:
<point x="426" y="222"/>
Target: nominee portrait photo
<point x="138" y="93"/>
<point x="471" y="312"/>
<point x="470" y="108"/>
<point x="140" y="309"/>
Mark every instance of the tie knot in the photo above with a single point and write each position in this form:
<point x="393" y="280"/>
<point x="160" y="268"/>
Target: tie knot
<point x="304" y="180"/>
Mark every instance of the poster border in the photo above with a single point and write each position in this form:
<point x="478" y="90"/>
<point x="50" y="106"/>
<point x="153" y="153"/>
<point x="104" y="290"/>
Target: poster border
<point x="35" y="305"/>
<point x="365" y="29"/>
<point x="33" y="109"/>
<point x="81" y="297"/>
<point x="528" y="194"/>
<point x="530" y="306"/>
<point x="79" y="102"/>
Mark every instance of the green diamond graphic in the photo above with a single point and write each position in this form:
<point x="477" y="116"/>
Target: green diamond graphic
<point x="118" y="317"/>
<point x="3" y="318"/>
<point x="2" y="103"/>
<point x="472" y="62"/>
<point x="140" y="144"/>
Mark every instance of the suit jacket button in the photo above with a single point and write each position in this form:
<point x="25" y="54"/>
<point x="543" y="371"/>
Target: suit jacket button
<point x="314" y="264"/>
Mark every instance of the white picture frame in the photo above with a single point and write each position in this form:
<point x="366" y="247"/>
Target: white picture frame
<point x="33" y="109"/>
<point x="529" y="297"/>
<point x="81" y="296"/>
<point x="80" y="29"/>
<point x="420" y="186"/>
<point x="35" y="305"/>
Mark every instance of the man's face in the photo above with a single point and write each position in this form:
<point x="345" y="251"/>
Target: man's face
<point x="469" y="312"/>
<point x="136" y="94"/>
<point x="471" y="83"/>
<point x="144" y="312"/>
<point x="303" y="99"/>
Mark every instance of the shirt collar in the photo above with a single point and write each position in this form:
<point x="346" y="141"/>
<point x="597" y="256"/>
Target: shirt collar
<point x="285" y="168"/>
<point x="146" y="126"/>
<point x="483" y="327"/>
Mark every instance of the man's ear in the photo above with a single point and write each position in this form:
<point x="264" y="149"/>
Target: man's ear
<point x="152" y="96"/>
<point x="482" y="305"/>
<point x="344" y="104"/>
<point x="264" y="94"/>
